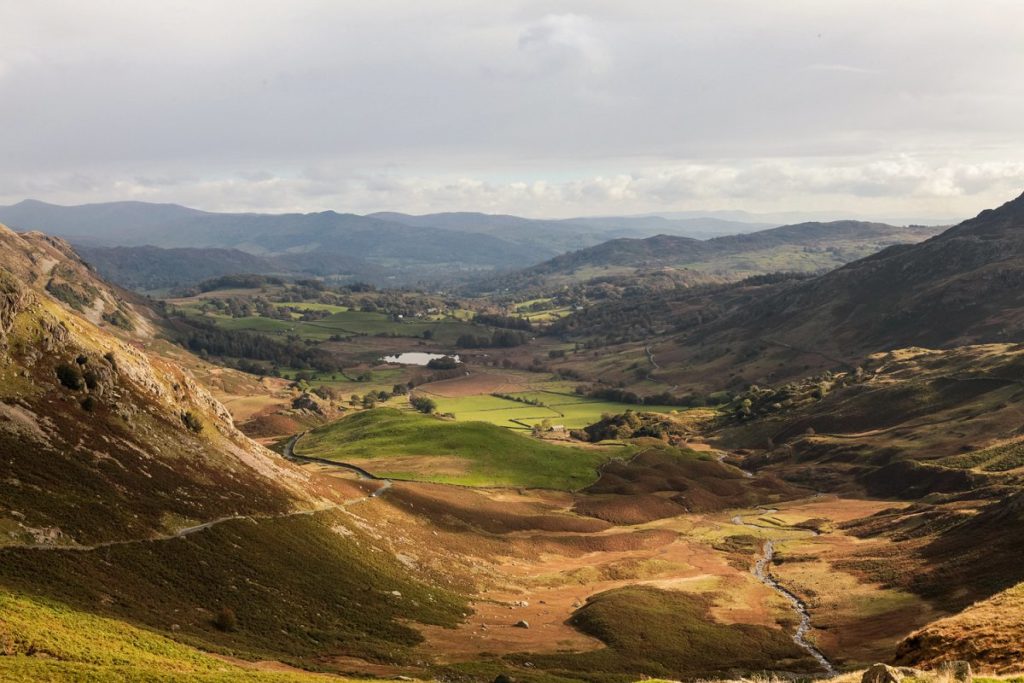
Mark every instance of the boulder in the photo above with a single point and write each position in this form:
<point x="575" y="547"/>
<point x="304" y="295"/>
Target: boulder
<point x="881" y="673"/>
<point x="522" y="623"/>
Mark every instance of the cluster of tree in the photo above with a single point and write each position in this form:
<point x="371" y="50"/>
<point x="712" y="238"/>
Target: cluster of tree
<point x="520" y="399"/>
<point x="627" y="425"/>
<point x="502" y="339"/>
<point x="764" y="400"/>
<point x="242" y="281"/>
<point x="243" y="306"/>
<point x="506" y="321"/>
<point x="205" y="338"/>
<point x="620" y="395"/>
<point x="423" y="404"/>
<point x="80" y="374"/>
<point x="443" y="363"/>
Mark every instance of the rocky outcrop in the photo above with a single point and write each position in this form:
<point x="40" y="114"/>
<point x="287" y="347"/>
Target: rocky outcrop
<point x="882" y="673"/>
<point x="13" y="298"/>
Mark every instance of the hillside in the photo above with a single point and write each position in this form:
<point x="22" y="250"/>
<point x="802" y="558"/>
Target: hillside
<point x="130" y="496"/>
<point x="107" y="422"/>
<point x="153" y="268"/>
<point x="960" y="287"/>
<point x="805" y="247"/>
<point x="405" y="445"/>
<point x="904" y="424"/>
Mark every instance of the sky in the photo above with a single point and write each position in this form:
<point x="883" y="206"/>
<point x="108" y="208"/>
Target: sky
<point x="548" y="109"/>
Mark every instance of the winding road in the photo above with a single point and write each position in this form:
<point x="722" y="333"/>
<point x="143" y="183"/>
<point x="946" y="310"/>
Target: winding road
<point x="762" y="571"/>
<point x="289" y="453"/>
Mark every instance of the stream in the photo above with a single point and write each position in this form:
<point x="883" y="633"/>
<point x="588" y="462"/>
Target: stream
<point x="762" y="570"/>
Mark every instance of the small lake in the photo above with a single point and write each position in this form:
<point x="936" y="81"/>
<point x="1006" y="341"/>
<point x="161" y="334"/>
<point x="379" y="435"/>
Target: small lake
<point x="417" y="358"/>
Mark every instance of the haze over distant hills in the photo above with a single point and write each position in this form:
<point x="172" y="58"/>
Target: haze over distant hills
<point x="805" y="247"/>
<point x="154" y="246"/>
<point x="408" y="248"/>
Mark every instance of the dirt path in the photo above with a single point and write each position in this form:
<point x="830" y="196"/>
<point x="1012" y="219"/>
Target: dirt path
<point x="762" y="570"/>
<point x="186" y="531"/>
<point x="655" y="366"/>
<point x="180" y="533"/>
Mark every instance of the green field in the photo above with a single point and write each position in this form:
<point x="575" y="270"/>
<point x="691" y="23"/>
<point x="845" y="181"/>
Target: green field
<point x="492" y="456"/>
<point x="348" y="324"/>
<point x="49" y="641"/>
<point x="299" y="588"/>
<point x="569" y="410"/>
<point x="313" y="306"/>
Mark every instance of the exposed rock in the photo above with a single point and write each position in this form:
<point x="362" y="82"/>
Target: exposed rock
<point x="307" y="402"/>
<point x="882" y="673"/>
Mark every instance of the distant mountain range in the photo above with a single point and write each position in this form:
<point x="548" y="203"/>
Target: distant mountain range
<point x="386" y="247"/>
<point x="805" y="247"/>
<point x="157" y="246"/>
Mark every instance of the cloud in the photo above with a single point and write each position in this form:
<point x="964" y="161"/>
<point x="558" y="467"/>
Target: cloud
<point x="839" y="68"/>
<point x="589" y="107"/>
<point x="561" y="41"/>
<point x="831" y="186"/>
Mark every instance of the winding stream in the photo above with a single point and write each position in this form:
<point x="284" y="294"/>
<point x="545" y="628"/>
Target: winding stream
<point x="762" y="570"/>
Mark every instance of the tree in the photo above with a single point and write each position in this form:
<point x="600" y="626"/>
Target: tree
<point x="423" y="404"/>
<point x="70" y="376"/>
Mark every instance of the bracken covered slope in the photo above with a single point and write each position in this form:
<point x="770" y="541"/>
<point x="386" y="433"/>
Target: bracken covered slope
<point x="100" y="441"/>
<point x="965" y="286"/>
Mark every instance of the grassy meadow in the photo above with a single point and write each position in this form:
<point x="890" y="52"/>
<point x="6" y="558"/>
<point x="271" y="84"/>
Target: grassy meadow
<point x="45" y="640"/>
<point x="404" y="444"/>
<point x="566" y="409"/>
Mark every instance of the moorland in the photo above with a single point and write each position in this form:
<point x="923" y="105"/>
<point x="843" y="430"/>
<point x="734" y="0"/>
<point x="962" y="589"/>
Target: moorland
<point x="600" y="453"/>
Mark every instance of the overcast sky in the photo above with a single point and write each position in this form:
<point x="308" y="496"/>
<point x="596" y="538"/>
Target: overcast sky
<point x="883" y="108"/>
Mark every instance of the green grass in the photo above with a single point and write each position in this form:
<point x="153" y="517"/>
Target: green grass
<point x="493" y="456"/>
<point x="349" y="323"/>
<point x="569" y="410"/>
<point x="44" y="640"/>
<point x="313" y="306"/>
<point x="300" y="589"/>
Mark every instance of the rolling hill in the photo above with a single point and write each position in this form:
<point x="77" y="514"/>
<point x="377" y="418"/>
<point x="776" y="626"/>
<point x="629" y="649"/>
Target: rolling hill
<point x="805" y="247"/>
<point x="152" y="268"/>
<point x="386" y="248"/>
<point x="960" y="287"/>
<point x="132" y="506"/>
<point x="322" y="243"/>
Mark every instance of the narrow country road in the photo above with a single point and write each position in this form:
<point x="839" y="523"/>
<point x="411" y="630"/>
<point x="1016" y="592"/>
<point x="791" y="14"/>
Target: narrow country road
<point x="762" y="571"/>
<point x="289" y="453"/>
